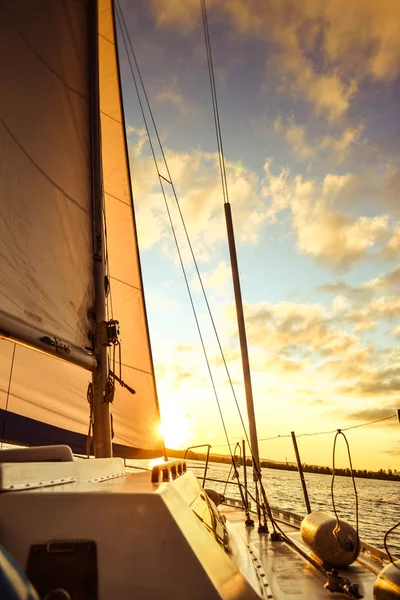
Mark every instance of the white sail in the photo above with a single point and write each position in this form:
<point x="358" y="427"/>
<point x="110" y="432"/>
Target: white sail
<point x="45" y="180"/>
<point x="135" y="416"/>
<point x="46" y="269"/>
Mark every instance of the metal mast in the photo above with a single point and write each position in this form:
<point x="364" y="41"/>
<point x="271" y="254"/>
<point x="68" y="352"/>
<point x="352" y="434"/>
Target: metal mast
<point x="101" y="406"/>
<point x="232" y="252"/>
<point x="243" y="339"/>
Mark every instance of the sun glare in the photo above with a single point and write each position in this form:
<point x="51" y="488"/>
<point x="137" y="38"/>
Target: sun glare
<point x="175" y="431"/>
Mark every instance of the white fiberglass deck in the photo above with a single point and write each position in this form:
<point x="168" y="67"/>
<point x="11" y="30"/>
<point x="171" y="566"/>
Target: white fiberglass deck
<point x="288" y="574"/>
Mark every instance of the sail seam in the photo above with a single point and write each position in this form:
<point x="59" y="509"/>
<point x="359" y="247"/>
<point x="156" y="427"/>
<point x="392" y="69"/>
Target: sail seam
<point x="39" y="168"/>
<point x="110" y="117"/>
<point x="119" y="199"/>
<point x="41" y="59"/>
<point x="126" y="283"/>
<point x="106" y="38"/>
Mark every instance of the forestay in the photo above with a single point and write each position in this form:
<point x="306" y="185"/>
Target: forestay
<point x="46" y="270"/>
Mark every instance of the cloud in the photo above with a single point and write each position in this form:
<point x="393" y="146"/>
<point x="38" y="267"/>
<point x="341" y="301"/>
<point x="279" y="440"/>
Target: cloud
<point x="396" y="331"/>
<point x="295" y="329"/>
<point x="372" y="414"/>
<point x="216" y="280"/>
<point x="197" y="182"/>
<point x="390" y="281"/>
<point x="322" y="51"/>
<point x="183" y="348"/>
<point x="347" y="290"/>
<point x="391" y="189"/>
<point x="383" y="307"/>
<point x="384" y="381"/>
<point x="282" y="366"/>
<point x="393" y="248"/>
<point x="394" y="450"/>
<point x="303" y="148"/>
<point x="333" y="237"/>
<point x="365" y="305"/>
<point x="171" y="94"/>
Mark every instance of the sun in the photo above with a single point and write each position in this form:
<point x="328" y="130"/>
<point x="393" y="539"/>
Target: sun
<point x="176" y="431"/>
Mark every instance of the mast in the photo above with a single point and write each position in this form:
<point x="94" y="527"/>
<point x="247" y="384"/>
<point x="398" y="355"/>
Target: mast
<point x="101" y="405"/>
<point x="243" y="341"/>
<point x="232" y="252"/>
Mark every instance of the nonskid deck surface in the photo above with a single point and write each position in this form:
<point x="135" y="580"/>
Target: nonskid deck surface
<point x="289" y="575"/>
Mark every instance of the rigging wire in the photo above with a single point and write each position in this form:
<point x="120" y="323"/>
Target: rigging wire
<point x="224" y="183"/>
<point x="218" y="132"/>
<point x="277" y="437"/>
<point x="331" y="431"/>
<point x="235" y="458"/>
<point x="125" y="37"/>
<point x="169" y="180"/>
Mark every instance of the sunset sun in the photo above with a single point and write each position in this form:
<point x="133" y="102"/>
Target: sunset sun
<point x="176" y="431"/>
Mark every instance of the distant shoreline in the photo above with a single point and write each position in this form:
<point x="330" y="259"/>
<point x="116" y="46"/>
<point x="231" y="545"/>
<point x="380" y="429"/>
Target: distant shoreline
<point x="269" y="464"/>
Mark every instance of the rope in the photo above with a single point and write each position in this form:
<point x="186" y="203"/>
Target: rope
<point x="8" y="396"/>
<point x="110" y="312"/>
<point x="389" y="531"/>
<point x="337" y="528"/>
<point x="91" y="419"/>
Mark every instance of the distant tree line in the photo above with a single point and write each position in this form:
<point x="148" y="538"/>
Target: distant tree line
<point x="269" y="464"/>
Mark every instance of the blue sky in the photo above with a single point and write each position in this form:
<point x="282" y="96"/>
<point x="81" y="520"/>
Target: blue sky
<point x="308" y="96"/>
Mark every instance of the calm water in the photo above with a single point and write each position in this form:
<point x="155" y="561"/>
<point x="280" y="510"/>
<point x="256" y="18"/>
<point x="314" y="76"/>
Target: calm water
<point x="379" y="501"/>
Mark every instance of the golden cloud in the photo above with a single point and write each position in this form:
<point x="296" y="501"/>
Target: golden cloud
<point x="353" y="40"/>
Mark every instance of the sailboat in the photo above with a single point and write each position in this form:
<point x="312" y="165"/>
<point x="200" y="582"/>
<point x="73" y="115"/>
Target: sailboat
<point x="76" y="370"/>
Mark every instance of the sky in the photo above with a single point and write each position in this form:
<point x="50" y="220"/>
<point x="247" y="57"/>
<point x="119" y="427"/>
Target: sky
<point x="309" y="98"/>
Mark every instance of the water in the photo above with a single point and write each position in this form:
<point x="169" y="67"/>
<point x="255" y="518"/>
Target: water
<point x="379" y="501"/>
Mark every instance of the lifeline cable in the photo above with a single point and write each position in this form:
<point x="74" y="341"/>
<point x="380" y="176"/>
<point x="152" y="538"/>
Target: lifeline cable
<point x="337" y="528"/>
<point x="389" y="531"/>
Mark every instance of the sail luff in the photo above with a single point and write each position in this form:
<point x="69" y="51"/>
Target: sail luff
<point x="135" y="416"/>
<point x="129" y="179"/>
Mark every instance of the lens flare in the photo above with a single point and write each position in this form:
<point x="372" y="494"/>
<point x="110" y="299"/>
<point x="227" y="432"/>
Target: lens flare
<point x="176" y="431"/>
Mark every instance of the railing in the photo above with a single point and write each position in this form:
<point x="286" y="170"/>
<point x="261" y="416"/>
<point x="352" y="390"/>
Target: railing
<point x="208" y="446"/>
